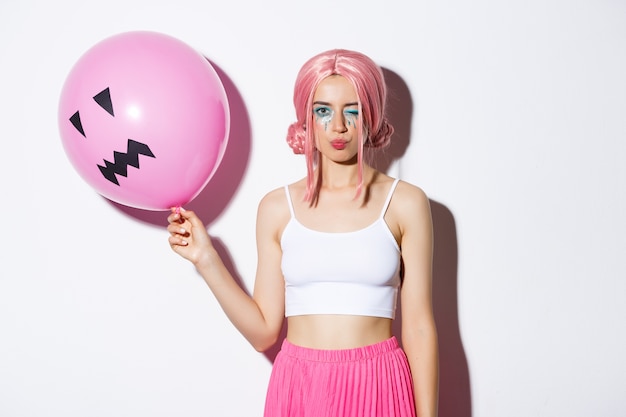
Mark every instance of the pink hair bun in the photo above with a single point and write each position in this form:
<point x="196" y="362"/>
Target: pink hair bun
<point x="295" y="138"/>
<point x="382" y="138"/>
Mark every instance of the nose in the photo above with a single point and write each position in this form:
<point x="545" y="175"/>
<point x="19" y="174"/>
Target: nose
<point x="339" y="122"/>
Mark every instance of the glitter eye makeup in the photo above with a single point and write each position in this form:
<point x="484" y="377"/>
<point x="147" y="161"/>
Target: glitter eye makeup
<point x="351" y="117"/>
<point x="324" y="115"/>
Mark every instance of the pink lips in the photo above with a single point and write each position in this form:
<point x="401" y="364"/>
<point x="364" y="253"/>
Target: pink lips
<point x="338" y="144"/>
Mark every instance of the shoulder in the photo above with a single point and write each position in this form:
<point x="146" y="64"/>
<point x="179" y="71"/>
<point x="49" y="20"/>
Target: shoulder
<point x="274" y="201"/>
<point x="273" y="196"/>
<point x="410" y="195"/>
<point x="273" y="212"/>
<point x="410" y="207"/>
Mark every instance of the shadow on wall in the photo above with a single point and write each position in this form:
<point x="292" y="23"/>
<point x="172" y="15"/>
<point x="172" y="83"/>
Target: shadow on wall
<point x="399" y="113"/>
<point x="454" y="384"/>
<point x="454" y="388"/>
<point x="217" y="194"/>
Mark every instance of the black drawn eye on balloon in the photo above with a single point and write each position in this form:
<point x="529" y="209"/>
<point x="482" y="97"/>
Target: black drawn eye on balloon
<point x="121" y="160"/>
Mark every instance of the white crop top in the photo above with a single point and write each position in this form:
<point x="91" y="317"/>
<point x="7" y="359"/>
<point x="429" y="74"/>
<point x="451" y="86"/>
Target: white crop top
<point x="354" y="273"/>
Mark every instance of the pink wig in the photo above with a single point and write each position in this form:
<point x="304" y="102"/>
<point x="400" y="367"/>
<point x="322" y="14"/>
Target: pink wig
<point x="367" y="79"/>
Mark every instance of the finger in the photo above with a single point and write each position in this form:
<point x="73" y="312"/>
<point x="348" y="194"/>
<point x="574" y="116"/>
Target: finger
<point x="190" y="216"/>
<point x="177" y="241"/>
<point x="174" y="217"/>
<point x="177" y="229"/>
<point x="176" y="214"/>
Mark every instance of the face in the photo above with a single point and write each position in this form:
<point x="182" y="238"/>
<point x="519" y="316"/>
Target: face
<point x="335" y="116"/>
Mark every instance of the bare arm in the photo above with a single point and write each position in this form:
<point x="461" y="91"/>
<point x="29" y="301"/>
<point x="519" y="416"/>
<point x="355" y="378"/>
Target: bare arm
<point x="259" y="318"/>
<point x="419" y="335"/>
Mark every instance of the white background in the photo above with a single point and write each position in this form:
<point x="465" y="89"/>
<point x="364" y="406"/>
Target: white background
<point x="510" y="115"/>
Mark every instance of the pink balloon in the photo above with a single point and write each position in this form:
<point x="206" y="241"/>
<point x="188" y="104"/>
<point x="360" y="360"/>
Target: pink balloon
<point x="144" y="120"/>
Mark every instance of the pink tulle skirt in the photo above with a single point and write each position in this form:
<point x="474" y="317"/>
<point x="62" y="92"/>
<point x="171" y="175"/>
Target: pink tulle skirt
<point x="370" y="381"/>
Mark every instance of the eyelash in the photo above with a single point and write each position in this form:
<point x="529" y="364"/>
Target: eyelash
<point x="325" y="112"/>
<point x="322" y="111"/>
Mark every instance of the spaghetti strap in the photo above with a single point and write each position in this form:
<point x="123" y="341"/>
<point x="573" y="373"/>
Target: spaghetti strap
<point x="289" y="202"/>
<point x="389" y="195"/>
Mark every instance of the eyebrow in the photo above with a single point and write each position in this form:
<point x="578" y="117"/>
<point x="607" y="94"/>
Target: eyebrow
<point x="324" y="103"/>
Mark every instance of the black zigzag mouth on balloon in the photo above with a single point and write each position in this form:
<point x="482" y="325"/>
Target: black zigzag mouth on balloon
<point x="121" y="161"/>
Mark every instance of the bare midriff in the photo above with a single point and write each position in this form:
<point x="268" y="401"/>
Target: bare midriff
<point x="334" y="331"/>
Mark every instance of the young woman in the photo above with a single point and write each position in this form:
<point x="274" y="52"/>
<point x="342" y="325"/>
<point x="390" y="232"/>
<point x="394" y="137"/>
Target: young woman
<point x="334" y="250"/>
